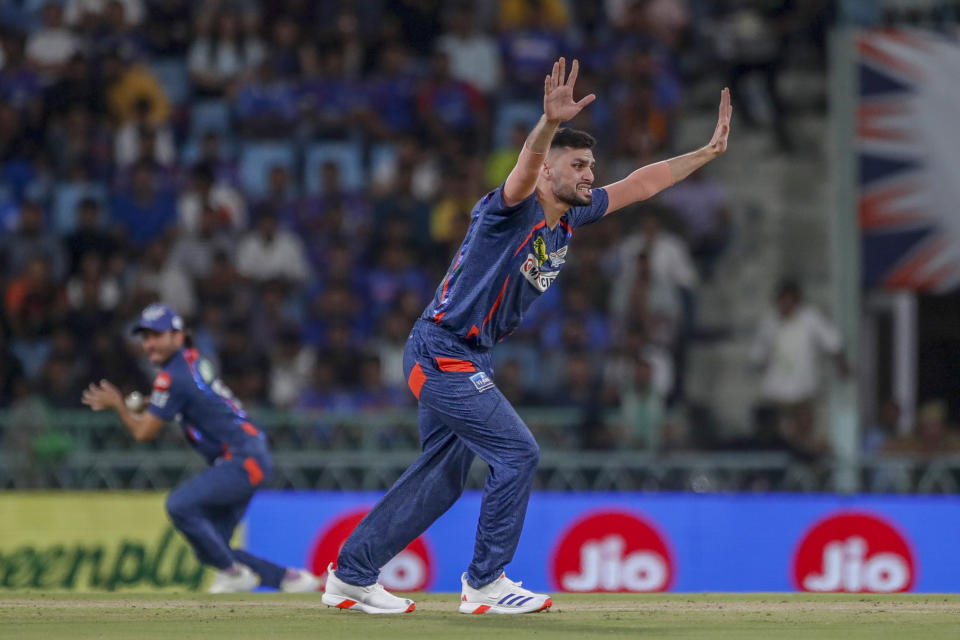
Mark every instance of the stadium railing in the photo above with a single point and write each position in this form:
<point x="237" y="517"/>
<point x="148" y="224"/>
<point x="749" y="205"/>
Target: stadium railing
<point x="78" y="449"/>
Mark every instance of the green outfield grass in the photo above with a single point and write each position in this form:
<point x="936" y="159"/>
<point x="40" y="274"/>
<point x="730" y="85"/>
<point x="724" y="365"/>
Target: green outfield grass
<point x="34" y="615"/>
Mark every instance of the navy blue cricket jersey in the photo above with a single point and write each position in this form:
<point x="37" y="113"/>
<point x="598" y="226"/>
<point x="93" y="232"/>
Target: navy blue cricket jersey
<point x="188" y="390"/>
<point x="507" y="260"/>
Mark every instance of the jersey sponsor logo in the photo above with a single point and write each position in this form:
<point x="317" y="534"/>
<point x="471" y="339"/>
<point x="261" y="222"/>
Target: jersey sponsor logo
<point x="409" y="570"/>
<point x="159" y="398"/>
<point x="854" y="552"/>
<point x="481" y="381"/>
<point x="531" y="271"/>
<point x="613" y="551"/>
<point x="162" y="381"/>
<point x="558" y="257"/>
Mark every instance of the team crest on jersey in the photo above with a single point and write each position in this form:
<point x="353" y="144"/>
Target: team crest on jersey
<point x="558" y="257"/>
<point x="531" y="271"/>
<point x="481" y="381"/>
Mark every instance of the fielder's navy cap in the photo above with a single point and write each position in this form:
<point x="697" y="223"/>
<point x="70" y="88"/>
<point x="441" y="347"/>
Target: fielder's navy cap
<point x="159" y="317"/>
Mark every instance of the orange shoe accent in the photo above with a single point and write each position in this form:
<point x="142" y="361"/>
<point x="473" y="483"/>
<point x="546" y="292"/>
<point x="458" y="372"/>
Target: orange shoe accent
<point x="453" y="364"/>
<point x="482" y="608"/>
<point x="250" y="429"/>
<point x="416" y="380"/>
<point x="464" y="598"/>
<point x="254" y="471"/>
<point x="413" y="605"/>
<point x="346" y="604"/>
<point x="546" y="605"/>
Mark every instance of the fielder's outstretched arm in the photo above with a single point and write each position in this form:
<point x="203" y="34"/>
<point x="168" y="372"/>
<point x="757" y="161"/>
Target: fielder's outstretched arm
<point x="558" y="106"/>
<point x="654" y="178"/>
<point x="143" y="426"/>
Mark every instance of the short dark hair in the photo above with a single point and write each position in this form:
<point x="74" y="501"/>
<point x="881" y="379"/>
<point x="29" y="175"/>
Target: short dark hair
<point x="572" y="139"/>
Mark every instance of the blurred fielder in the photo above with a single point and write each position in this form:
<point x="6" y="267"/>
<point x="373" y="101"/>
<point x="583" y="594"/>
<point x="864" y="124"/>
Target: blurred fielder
<point x="513" y="251"/>
<point x="208" y="507"/>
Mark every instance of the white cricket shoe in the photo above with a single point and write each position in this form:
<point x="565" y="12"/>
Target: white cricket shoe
<point x="372" y="599"/>
<point x="240" y="582"/>
<point x="304" y="582"/>
<point x="501" y="596"/>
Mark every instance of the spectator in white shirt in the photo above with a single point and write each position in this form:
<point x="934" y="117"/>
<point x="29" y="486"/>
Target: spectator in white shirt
<point x="206" y="193"/>
<point x="787" y="348"/>
<point x="272" y="253"/>
<point x="52" y="46"/>
<point x="474" y="56"/>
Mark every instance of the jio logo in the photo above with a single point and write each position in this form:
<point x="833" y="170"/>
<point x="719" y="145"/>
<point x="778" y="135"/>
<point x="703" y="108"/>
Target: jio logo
<point x="614" y="551"/>
<point x="854" y="552"/>
<point x="409" y="570"/>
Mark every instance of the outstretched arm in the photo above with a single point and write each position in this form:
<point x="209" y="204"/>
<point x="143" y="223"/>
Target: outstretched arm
<point x="143" y="426"/>
<point x="652" y="179"/>
<point x="558" y="106"/>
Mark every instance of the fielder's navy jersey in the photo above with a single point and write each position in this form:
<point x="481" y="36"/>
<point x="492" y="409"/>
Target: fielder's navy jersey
<point x="507" y="260"/>
<point x="188" y="390"/>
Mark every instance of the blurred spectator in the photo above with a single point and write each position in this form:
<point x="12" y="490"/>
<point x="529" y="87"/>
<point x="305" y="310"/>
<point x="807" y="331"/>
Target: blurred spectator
<point x="50" y="47"/>
<point x="932" y="436"/>
<point x="11" y="370"/>
<point x="222" y="54"/>
<point x="390" y="94"/>
<point x="31" y="240"/>
<point x="531" y="43"/>
<point x="474" y="57"/>
<point x="194" y="252"/>
<point x="271" y="253"/>
<point x="157" y="278"/>
<point x="787" y="348"/>
<point x="167" y="26"/>
<point x="130" y="85"/>
<point x="146" y="209"/>
<point x="89" y="236"/>
<point x="448" y="106"/>
<point x="642" y="407"/>
<point x="291" y="364"/>
<point x="76" y="12"/>
<point x="91" y="287"/>
<point x="877" y="435"/>
<point x="701" y="204"/>
<point x="34" y="304"/>
<point x="75" y="87"/>
<point x="138" y="139"/>
<point x="266" y="103"/>
<point x="205" y="193"/>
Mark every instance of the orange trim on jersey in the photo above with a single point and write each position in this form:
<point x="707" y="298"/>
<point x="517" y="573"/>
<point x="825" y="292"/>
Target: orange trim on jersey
<point x="497" y="303"/>
<point x="254" y="471"/>
<point x="473" y="332"/>
<point x="190" y="355"/>
<point x="443" y="294"/>
<point x="542" y="223"/>
<point x="250" y="429"/>
<point x="566" y="227"/>
<point x="452" y="364"/>
<point x="416" y="380"/>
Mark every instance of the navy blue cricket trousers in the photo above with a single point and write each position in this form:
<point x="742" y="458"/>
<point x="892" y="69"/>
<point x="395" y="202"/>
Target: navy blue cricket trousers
<point x="461" y="415"/>
<point x="207" y="509"/>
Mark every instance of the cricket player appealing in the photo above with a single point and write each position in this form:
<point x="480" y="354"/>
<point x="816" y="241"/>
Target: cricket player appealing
<point x="514" y="249"/>
<point x="207" y="508"/>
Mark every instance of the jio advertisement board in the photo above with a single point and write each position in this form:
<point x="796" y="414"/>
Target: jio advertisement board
<point x="634" y="542"/>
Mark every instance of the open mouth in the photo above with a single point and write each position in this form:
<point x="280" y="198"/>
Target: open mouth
<point x="583" y="188"/>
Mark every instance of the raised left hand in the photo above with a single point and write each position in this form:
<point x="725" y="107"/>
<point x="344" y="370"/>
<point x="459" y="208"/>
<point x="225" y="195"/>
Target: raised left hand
<point x="102" y="396"/>
<point x="718" y="143"/>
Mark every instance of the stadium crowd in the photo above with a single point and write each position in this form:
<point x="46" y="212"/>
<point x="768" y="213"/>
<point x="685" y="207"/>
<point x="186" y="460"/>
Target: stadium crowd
<point x="293" y="177"/>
